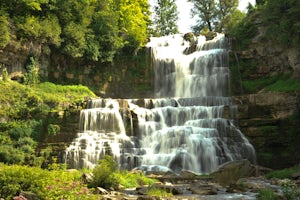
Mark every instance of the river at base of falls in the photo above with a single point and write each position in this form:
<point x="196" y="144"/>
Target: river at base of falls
<point x="190" y="125"/>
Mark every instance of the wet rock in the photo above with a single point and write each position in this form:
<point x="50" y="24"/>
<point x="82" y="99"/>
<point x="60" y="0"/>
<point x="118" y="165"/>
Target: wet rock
<point x="295" y="175"/>
<point x="87" y="177"/>
<point x="100" y="190"/>
<point x="187" y="174"/>
<point x="29" y="195"/>
<point x="230" y="172"/>
<point x="148" y="198"/>
<point x="20" y="197"/>
<point x="203" y="189"/>
<point x="255" y="184"/>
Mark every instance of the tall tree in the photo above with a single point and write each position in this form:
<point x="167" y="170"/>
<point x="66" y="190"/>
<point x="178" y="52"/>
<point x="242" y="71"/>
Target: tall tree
<point x="213" y="14"/>
<point x="165" y="17"/>
<point x="206" y="12"/>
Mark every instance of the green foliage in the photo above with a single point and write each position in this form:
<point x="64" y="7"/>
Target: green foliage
<point x="282" y="174"/>
<point x="285" y="85"/>
<point x="132" y="180"/>
<point x="95" y="30"/>
<point x="267" y="194"/>
<point x="290" y="189"/>
<point x="158" y="192"/>
<point x="31" y="77"/>
<point x="53" y="129"/>
<point x="25" y="110"/>
<point x="280" y="82"/>
<point x="5" y="30"/>
<point x="5" y="75"/>
<point x="215" y="15"/>
<point x="282" y="20"/>
<point x="242" y="33"/>
<point x="54" y="184"/>
<point x="57" y="94"/>
<point x="165" y="18"/>
<point x="104" y="173"/>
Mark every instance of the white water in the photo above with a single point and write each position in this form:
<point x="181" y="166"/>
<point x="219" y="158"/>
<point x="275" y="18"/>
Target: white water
<point x="183" y="128"/>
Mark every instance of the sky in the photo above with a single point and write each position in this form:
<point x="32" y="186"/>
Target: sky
<point x="185" y="20"/>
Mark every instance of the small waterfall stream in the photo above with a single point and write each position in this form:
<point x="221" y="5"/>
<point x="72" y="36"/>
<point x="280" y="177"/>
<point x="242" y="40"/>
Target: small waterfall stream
<point x="189" y="125"/>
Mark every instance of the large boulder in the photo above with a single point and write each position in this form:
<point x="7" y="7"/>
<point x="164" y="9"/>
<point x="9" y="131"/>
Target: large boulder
<point x="230" y="172"/>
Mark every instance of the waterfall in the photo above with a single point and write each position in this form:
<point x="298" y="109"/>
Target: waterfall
<point x="189" y="125"/>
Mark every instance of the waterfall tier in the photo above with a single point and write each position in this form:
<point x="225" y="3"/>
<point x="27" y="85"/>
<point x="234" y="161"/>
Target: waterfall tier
<point x="189" y="125"/>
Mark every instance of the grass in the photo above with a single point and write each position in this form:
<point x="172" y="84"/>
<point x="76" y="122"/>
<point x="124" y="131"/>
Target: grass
<point x="60" y="93"/>
<point x="282" y="174"/>
<point x="285" y="85"/>
<point x="158" y="192"/>
<point x="280" y="83"/>
<point x="16" y="98"/>
<point x="46" y="184"/>
<point x="267" y="194"/>
<point x="131" y="180"/>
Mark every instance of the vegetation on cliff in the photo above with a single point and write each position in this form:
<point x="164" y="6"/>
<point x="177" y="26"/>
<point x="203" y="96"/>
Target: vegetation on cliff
<point x="281" y="19"/>
<point x="95" y="30"/>
<point x="24" y="116"/>
<point x="55" y="182"/>
<point x="269" y="31"/>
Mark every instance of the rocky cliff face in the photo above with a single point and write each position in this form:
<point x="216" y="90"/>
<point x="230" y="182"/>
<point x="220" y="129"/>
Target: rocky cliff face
<point x="268" y="57"/>
<point x="270" y="121"/>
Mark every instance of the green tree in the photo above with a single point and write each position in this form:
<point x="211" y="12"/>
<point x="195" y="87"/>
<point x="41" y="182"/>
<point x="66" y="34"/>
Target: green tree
<point x="214" y="14"/>
<point x="226" y="9"/>
<point x="165" y="18"/>
<point x="133" y="23"/>
<point x="5" y="30"/>
<point x="205" y="10"/>
<point x="282" y="20"/>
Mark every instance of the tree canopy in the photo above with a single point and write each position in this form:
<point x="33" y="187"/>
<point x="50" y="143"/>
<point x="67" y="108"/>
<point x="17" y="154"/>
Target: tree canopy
<point x="214" y="15"/>
<point x="165" y="18"/>
<point x="95" y="30"/>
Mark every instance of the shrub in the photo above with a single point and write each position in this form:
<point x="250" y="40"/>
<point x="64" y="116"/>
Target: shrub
<point x="131" y="180"/>
<point x="5" y="30"/>
<point x="11" y="155"/>
<point x="55" y="184"/>
<point x="267" y="194"/>
<point x="31" y="76"/>
<point x="290" y="189"/>
<point x="158" y="192"/>
<point x="4" y="74"/>
<point x="53" y="129"/>
<point x="104" y="173"/>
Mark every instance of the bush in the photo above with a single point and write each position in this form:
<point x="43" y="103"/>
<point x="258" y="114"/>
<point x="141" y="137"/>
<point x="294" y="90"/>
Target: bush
<point x="5" y="30"/>
<point x="31" y="76"/>
<point x="104" y="173"/>
<point x="158" y="192"/>
<point x="11" y="155"/>
<point x="53" y="129"/>
<point x="290" y="189"/>
<point x="267" y="194"/>
<point x="55" y="184"/>
<point x="131" y="180"/>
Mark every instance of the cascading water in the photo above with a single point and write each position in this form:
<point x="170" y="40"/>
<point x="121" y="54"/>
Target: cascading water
<point x="187" y="126"/>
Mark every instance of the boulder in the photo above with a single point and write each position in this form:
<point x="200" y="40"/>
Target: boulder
<point x="230" y="172"/>
<point x="100" y="190"/>
<point x="296" y="175"/>
<point x="87" y="178"/>
<point x="203" y="189"/>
